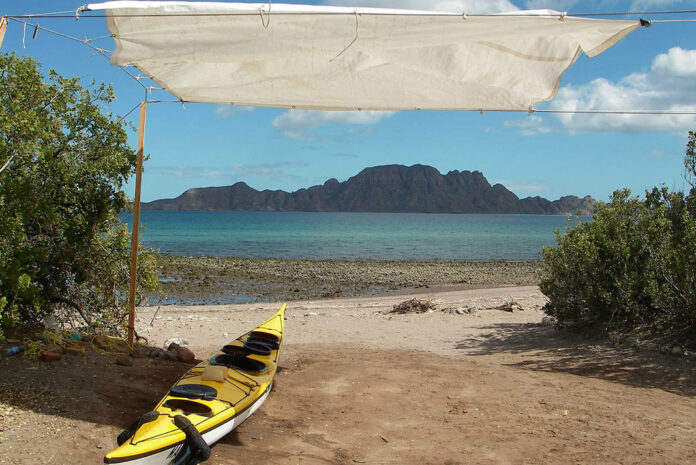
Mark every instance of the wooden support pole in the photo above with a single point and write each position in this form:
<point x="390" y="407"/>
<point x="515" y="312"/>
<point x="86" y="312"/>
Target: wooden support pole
<point x="135" y="226"/>
<point x="3" y="28"/>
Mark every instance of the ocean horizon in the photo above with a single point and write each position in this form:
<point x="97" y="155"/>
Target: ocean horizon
<point x="350" y="236"/>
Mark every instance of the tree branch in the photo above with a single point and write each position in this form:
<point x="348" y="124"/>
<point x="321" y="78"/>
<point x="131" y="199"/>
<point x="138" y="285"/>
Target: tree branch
<point x="75" y="305"/>
<point x="6" y="163"/>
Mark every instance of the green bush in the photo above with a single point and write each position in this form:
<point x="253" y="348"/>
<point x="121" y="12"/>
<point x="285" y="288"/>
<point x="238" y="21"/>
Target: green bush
<point x="632" y="267"/>
<point x="63" y="165"/>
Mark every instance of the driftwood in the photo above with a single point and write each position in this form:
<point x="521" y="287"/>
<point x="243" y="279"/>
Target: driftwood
<point x="509" y="306"/>
<point x="413" y="306"/>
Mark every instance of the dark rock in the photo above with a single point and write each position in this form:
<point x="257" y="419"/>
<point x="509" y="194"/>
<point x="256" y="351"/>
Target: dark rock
<point x="155" y="352"/>
<point x="124" y="361"/>
<point x="140" y="352"/>
<point x="391" y="188"/>
<point x="171" y="355"/>
<point x="185" y="355"/>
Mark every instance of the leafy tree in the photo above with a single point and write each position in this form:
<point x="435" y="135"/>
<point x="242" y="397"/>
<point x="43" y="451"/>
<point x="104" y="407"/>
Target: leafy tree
<point x="63" y="165"/>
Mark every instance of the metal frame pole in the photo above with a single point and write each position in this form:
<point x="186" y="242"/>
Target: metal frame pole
<point x="135" y="226"/>
<point x="3" y="28"/>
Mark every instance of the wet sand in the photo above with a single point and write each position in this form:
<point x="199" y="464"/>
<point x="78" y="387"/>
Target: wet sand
<point x="215" y="280"/>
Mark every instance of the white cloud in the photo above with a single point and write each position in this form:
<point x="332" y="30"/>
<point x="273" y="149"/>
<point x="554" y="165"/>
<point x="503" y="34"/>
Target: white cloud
<point x="458" y="6"/>
<point x="226" y="111"/>
<point x="270" y="170"/>
<point x="296" y="123"/>
<point x="558" y="5"/>
<point x="638" y="5"/>
<point x="276" y="171"/>
<point x="184" y="172"/>
<point x="670" y="85"/>
<point x="530" y="126"/>
<point x="574" y="6"/>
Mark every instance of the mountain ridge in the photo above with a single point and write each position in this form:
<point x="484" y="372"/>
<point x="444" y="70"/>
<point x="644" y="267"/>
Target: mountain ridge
<point x="383" y="189"/>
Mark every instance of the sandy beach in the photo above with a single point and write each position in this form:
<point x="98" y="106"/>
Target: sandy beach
<point x="357" y="385"/>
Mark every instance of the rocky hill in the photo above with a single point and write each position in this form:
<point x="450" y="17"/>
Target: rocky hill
<point x="391" y="188"/>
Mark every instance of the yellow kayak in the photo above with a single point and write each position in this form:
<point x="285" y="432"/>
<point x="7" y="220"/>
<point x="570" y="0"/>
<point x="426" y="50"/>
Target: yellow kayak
<point x="208" y="402"/>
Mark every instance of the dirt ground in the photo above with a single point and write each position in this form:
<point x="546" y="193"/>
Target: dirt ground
<point x="359" y="386"/>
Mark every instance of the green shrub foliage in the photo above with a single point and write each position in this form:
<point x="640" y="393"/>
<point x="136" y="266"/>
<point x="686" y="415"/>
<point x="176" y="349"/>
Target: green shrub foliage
<point x="64" y="163"/>
<point x="633" y="266"/>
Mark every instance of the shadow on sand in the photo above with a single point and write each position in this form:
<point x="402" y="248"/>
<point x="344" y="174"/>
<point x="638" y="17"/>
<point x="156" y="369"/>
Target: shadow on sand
<point x="560" y="351"/>
<point x="92" y="387"/>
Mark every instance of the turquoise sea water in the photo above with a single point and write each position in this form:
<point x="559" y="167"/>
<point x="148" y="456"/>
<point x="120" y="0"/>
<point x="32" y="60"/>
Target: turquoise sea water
<point x="350" y="236"/>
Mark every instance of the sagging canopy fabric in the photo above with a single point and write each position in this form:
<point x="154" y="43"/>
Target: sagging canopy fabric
<point x="339" y="58"/>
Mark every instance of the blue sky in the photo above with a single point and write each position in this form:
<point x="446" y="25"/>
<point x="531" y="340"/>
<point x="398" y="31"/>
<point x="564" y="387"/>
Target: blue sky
<point x="207" y="145"/>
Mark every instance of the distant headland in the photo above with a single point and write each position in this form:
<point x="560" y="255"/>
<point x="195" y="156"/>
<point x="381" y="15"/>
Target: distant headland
<point x="390" y="188"/>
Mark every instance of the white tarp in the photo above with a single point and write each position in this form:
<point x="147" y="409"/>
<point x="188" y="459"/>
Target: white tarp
<point x="340" y="58"/>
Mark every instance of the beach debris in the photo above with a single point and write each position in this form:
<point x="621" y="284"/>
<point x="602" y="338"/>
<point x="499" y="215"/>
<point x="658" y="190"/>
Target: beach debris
<point x="13" y="350"/>
<point x="124" y="361"/>
<point x="509" y="306"/>
<point x="460" y="310"/>
<point x="155" y="315"/>
<point x="181" y="342"/>
<point x="414" y="306"/>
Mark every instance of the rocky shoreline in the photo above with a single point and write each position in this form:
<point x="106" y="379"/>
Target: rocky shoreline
<point x="218" y="280"/>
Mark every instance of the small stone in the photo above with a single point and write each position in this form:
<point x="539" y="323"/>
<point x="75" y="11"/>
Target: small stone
<point x="676" y="350"/>
<point x="124" y="361"/>
<point x="100" y="341"/>
<point x="50" y="357"/>
<point x="225" y="334"/>
<point x="183" y="354"/>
